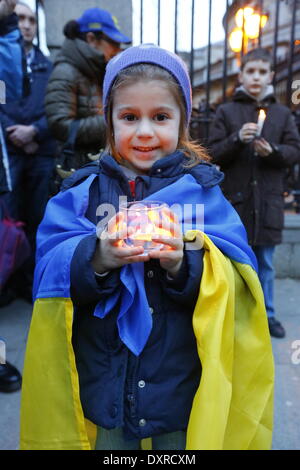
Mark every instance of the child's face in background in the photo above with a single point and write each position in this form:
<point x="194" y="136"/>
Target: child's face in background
<point x="146" y="120"/>
<point x="256" y="76"/>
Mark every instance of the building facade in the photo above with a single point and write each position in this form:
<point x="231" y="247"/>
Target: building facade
<point x="59" y="12"/>
<point x="268" y="34"/>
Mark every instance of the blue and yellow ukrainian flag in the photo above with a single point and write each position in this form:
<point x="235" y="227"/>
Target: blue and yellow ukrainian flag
<point x="233" y="406"/>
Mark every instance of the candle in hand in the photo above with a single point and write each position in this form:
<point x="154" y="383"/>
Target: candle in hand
<point x="260" y="122"/>
<point x="146" y="221"/>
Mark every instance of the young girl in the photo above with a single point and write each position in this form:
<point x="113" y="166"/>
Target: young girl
<point x="138" y="355"/>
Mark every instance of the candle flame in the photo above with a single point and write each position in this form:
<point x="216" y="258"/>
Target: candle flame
<point x="149" y="228"/>
<point x="145" y="233"/>
<point x="262" y="115"/>
<point x="150" y="231"/>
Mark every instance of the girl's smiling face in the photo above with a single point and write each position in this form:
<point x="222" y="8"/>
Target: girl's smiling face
<point x="146" y="119"/>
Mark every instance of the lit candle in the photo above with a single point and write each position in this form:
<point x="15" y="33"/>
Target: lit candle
<point x="147" y="221"/>
<point x="260" y="122"/>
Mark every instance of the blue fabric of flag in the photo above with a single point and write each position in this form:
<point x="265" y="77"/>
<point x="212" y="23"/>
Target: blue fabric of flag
<point x="65" y="225"/>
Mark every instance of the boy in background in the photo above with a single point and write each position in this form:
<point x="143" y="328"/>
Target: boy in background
<point x="254" y="160"/>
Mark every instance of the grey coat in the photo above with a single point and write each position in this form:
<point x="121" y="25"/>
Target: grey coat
<point x="75" y="92"/>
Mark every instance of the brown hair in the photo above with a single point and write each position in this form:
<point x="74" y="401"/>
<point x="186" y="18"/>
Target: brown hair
<point x="192" y="150"/>
<point x="257" y="54"/>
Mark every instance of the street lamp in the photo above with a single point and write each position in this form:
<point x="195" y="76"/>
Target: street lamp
<point x="241" y="16"/>
<point x="248" y="25"/>
<point x="236" y="39"/>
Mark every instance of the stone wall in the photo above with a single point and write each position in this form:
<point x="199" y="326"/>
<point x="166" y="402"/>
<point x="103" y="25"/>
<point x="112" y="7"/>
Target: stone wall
<point x="59" y="12"/>
<point x="287" y="255"/>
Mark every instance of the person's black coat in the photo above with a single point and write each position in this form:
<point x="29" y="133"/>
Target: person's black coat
<point x="254" y="184"/>
<point x="30" y="110"/>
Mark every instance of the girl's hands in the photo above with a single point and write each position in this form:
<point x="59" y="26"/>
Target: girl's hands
<point x="171" y="256"/>
<point x="111" y="252"/>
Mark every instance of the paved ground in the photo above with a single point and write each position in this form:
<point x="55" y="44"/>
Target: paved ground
<point x="14" y="323"/>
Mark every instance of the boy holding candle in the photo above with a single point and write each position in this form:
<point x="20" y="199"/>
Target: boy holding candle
<point x="253" y="150"/>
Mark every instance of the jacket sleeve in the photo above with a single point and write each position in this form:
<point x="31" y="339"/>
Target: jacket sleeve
<point x="86" y="287"/>
<point x="61" y="108"/>
<point x="287" y="152"/>
<point x="11" y="59"/>
<point x="42" y="127"/>
<point x="5" y="120"/>
<point x="184" y="288"/>
<point x="224" y="145"/>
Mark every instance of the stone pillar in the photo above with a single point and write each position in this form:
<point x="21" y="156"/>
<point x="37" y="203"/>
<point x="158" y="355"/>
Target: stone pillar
<point x="59" y="12"/>
<point x="287" y="255"/>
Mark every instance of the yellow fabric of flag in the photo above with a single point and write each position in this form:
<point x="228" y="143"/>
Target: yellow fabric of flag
<point x="233" y="406"/>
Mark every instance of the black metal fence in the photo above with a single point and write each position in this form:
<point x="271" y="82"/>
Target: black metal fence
<point x="202" y="116"/>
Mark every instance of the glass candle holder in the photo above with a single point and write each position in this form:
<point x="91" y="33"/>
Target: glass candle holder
<point x="145" y="220"/>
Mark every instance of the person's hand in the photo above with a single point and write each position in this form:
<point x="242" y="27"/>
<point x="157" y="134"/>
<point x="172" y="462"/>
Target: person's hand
<point x="171" y="256"/>
<point x="111" y="251"/>
<point x="31" y="148"/>
<point x="248" y="132"/>
<point x="21" y="135"/>
<point x="7" y="7"/>
<point x="262" y="147"/>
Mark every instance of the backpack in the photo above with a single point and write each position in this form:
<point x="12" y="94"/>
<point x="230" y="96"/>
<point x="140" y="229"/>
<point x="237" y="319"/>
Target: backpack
<point x="14" y="246"/>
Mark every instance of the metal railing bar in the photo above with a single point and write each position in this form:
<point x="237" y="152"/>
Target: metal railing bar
<point x="141" y="16"/>
<point x="207" y="113"/>
<point x="225" y="54"/>
<point x="275" y="43"/>
<point x="158" y="22"/>
<point x="192" y="45"/>
<point x="261" y="8"/>
<point x="176" y="18"/>
<point x="291" y="55"/>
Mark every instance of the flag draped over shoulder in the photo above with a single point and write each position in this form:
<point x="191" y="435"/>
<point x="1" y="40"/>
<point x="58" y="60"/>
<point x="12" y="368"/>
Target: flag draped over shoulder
<point x="233" y="406"/>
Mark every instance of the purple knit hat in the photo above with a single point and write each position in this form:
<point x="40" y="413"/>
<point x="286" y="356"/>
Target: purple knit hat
<point x="150" y="54"/>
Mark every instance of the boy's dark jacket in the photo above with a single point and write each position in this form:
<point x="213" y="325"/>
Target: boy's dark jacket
<point x="169" y="363"/>
<point x="30" y="110"/>
<point x="254" y="184"/>
<point x="16" y="70"/>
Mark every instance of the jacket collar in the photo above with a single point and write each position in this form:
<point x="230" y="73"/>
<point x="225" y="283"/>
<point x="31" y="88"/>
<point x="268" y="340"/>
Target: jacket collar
<point x="82" y="56"/>
<point x="268" y="97"/>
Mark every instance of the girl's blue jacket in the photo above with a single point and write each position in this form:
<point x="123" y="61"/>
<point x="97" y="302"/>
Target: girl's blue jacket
<point x="151" y="393"/>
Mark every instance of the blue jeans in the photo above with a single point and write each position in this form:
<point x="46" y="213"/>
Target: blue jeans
<point x="113" y="439"/>
<point x="264" y="255"/>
